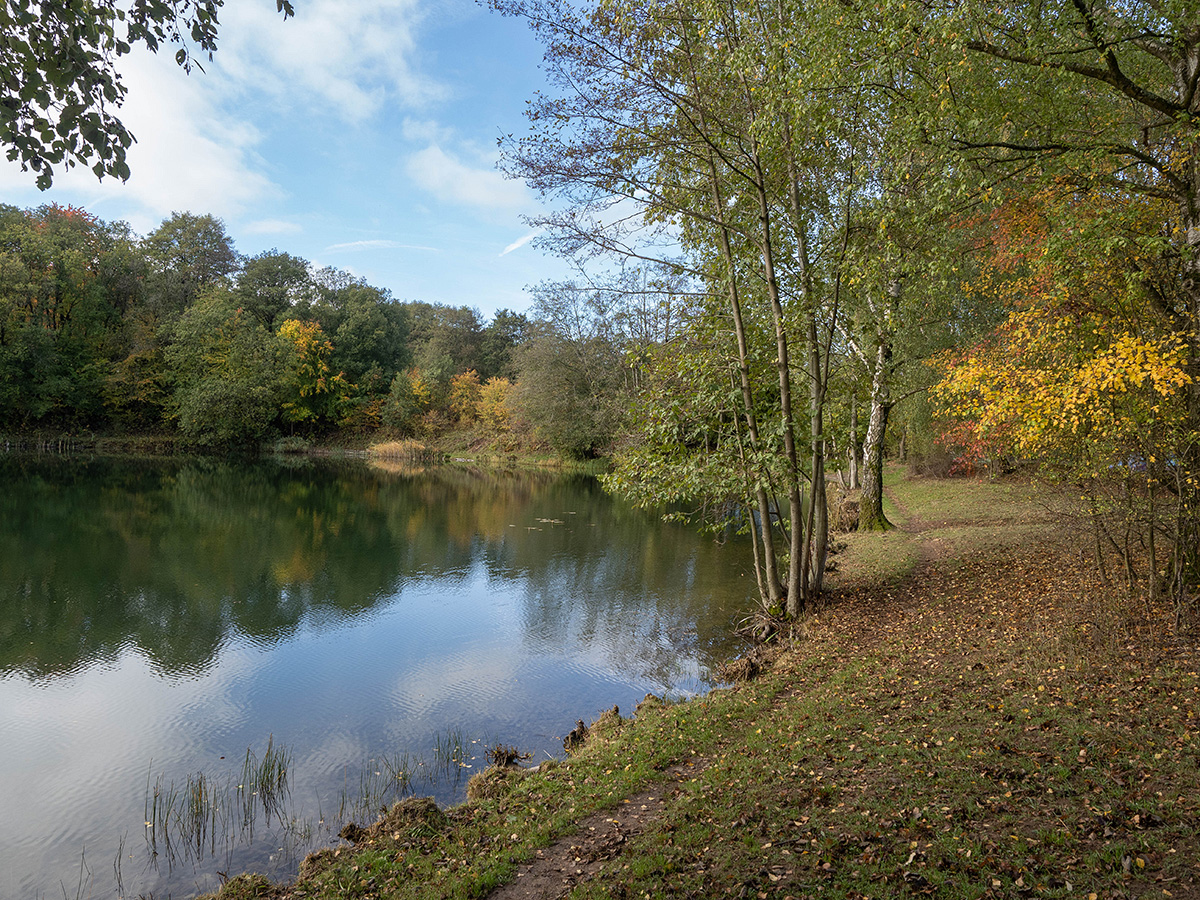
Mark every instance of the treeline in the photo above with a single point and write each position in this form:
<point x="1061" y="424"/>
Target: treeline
<point x="105" y="331"/>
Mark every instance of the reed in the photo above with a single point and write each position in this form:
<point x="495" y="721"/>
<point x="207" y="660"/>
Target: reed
<point x="409" y="450"/>
<point x="265" y="782"/>
<point x="206" y="815"/>
<point x="449" y="750"/>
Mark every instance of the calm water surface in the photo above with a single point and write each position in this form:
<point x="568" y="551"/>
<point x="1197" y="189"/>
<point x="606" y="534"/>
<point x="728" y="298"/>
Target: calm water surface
<point x="160" y="619"/>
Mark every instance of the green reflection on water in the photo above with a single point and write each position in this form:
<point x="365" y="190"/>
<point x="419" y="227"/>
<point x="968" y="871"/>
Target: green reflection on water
<point x="174" y="557"/>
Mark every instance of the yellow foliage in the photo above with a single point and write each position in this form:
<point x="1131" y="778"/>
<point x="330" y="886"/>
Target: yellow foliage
<point x="314" y="391"/>
<point x="493" y="403"/>
<point x="1082" y="367"/>
<point x="464" y="396"/>
<point x="1040" y="386"/>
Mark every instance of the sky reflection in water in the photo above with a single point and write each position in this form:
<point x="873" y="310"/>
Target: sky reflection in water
<point x="159" y="618"/>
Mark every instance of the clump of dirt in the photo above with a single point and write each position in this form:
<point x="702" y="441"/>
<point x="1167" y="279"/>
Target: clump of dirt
<point x="314" y="864"/>
<point x="494" y="782"/>
<point x="748" y="667"/>
<point x="501" y="755"/>
<point x="650" y="701"/>
<point x="410" y="817"/>
<point x="249" y="887"/>
<point x="575" y="739"/>
<point x="607" y="726"/>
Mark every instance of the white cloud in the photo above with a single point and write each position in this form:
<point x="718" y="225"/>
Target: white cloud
<point x="519" y="243"/>
<point x="197" y="146"/>
<point x="189" y="154"/>
<point x="354" y="57"/>
<point x="377" y="245"/>
<point x="453" y="181"/>
<point x="422" y="131"/>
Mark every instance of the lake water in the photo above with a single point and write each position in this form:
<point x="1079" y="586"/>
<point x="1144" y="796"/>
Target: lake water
<point x="160" y="619"/>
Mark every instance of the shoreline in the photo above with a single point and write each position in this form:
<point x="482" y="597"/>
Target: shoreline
<point x="933" y="727"/>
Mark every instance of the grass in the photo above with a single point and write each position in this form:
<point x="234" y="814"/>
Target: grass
<point x="969" y="715"/>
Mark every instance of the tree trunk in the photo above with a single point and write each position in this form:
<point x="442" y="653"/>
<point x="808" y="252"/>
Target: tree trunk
<point x="795" y="588"/>
<point x="870" y="517"/>
<point x="818" y="531"/>
<point x="854" y="448"/>
<point x="816" y="547"/>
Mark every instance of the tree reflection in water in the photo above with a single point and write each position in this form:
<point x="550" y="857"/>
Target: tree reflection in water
<point x="166" y="615"/>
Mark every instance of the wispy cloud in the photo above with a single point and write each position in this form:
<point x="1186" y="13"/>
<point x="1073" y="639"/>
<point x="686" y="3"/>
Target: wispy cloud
<point x="519" y="243"/>
<point x="354" y="246"/>
<point x="424" y="131"/>
<point x="272" y="226"/>
<point x="454" y="181"/>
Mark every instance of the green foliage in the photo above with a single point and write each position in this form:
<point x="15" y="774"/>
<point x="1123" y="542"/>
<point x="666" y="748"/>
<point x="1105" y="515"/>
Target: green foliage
<point x="445" y="340"/>
<point x="683" y="448"/>
<point x="403" y="403"/>
<point x="571" y="389"/>
<point x="227" y="372"/>
<point x="369" y="330"/>
<point x="186" y="254"/>
<point x="312" y="394"/>
<point x="99" y="329"/>
<point x="499" y="339"/>
<point x="62" y="293"/>
<point x="272" y="282"/>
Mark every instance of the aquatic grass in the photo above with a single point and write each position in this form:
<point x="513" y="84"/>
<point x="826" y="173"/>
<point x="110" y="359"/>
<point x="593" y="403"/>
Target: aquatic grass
<point x="400" y="768"/>
<point x="449" y="753"/>
<point x="192" y="820"/>
<point x="206" y="815"/>
<point x="380" y="781"/>
<point x="265" y="780"/>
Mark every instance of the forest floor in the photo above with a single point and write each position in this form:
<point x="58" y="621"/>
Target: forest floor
<point x="971" y="713"/>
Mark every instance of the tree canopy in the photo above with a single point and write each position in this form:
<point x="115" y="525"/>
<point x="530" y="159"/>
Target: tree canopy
<point x="837" y="180"/>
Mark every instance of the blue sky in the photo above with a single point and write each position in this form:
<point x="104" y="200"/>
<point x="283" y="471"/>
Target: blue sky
<point x="358" y="134"/>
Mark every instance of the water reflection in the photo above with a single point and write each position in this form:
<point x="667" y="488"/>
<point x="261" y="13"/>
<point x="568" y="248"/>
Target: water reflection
<point x="172" y="614"/>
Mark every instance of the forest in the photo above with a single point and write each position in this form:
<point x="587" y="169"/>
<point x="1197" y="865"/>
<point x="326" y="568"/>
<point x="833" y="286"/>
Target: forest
<point x="805" y="236"/>
<point x="103" y="331"/>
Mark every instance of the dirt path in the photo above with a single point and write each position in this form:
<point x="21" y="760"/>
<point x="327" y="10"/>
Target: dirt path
<point x="578" y="857"/>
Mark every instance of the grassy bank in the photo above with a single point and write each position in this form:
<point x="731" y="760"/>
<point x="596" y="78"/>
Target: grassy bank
<point x="454" y="451"/>
<point x="969" y="715"/>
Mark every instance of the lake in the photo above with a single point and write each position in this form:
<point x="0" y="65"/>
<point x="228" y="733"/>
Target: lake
<point x="209" y="666"/>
